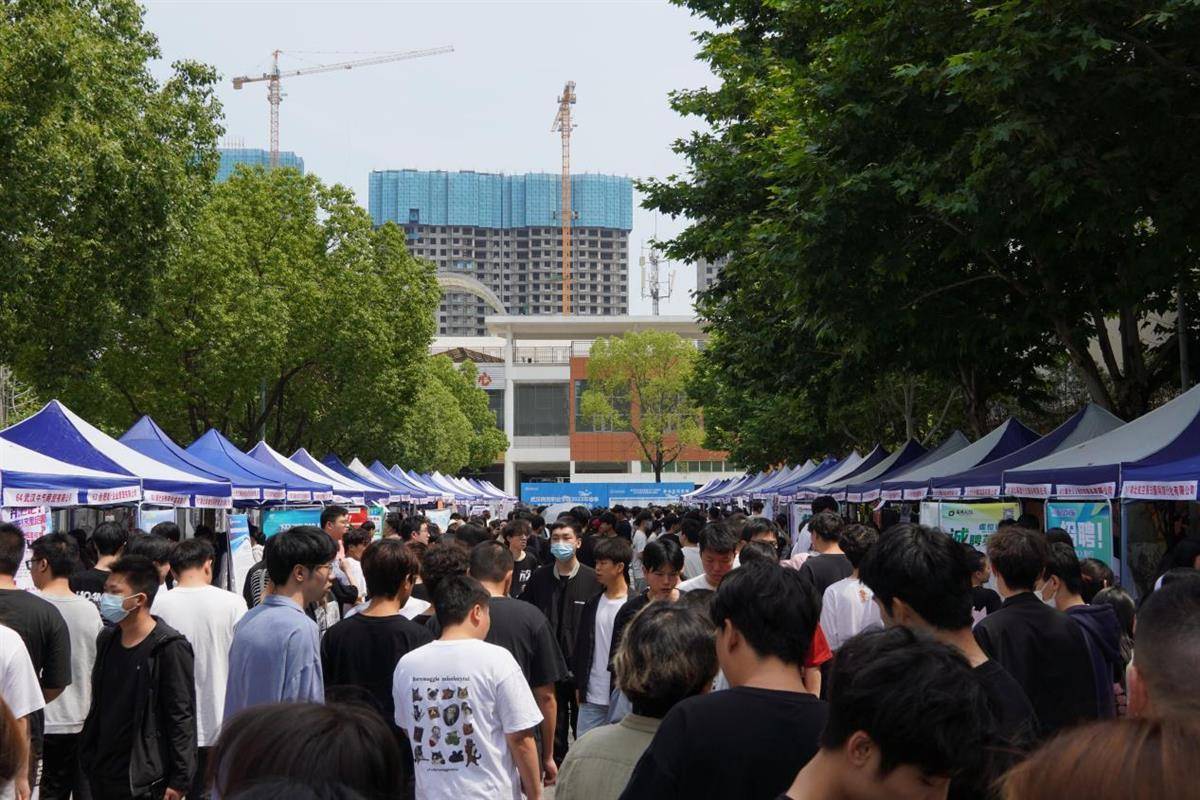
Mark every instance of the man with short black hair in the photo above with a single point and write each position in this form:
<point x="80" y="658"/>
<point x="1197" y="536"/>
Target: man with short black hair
<point x="393" y="521"/>
<point x="53" y="558"/>
<point x="921" y="579"/>
<point x="1162" y="676"/>
<point x="1041" y="647"/>
<point x="718" y="555"/>
<point x="41" y="627"/>
<point x="206" y="615"/>
<point x="905" y="718"/>
<point x="335" y="521"/>
<point x="157" y="549"/>
<point x="466" y="706"/>
<point x="593" y="680"/>
<point x="689" y="541"/>
<point x="828" y="564"/>
<point x="803" y="541"/>
<point x="139" y="739"/>
<point x="276" y="652"/>
<point x="108" y="540"/>
<point x="516" y="535"/>
<point x="415" y="528"/>
<point x="752" y="739"/>
<point x="168" y="530"/>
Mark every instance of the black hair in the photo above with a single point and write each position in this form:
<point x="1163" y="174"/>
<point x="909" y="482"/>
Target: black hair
<point x="1029" y="522"/>
<point x="1097" y="576"/>
<point x="758" y="551"/>
<point x="455" y="596"/>
<point x="824" y="503"/>
<point x="756" y="506"/>
<point x="108" y="538"/>
<point x="1122" y="604"/>
<point x="643" y="516"/>
<point x="976" y="559"/>
<point x="470" y="534"/>
<point x="393" y="520"/>
<point x="156" y="548"/>
<point x="926" y="569"/>
<point x="774" y="609"/>
<point x="331" y="513"/>
<point x="490" y="561"/>
<point x="355" y="537"/>
<point x="756" y="525"/>
<point x="662" y="552"/>
<point x="857" y="540"/>
<point x="917" y="699"/>
<point x="716" y="537"/>
<point x="87" y="555"/>
<point x="1168" y="645"/>
<point x="608" y="518"/>
<point x="368" y="526"/>
<point x="334" y="751"/>
<point x="12" y="548"/>
<point x="302" y="546"/>
<point x="60" y="553"/>
<point x="141" y="575"/>
<point x="191" y="554"/>
<point x="167" y="530"/>
<point x="537" y="522"/>
<point x="1059" y="536"/>
<point x="1019" y="555"/>
<point x="516" y="527"/>
<point x="441" y="561"/>
<point x="1064" y="565"/>
<point x="565" y="522"/>
<point x="387" y="564"/>
<point x="614" y="549"/>
<point x="888" y="517"/>
<point x="256" y="534"/>
<point x="690" y="528"/>
<point x="826" y="526"/>
<point x="665" y="655"/>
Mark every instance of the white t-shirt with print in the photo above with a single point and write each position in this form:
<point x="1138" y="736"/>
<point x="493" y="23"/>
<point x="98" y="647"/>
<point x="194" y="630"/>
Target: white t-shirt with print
<point x="205" y="615"/>
<point x="457" y="700"/>
<point x="847" y="609"/>
<point x="598" y="679"/>
<point x="18" y="682"/>
<point x="66" y="713"/>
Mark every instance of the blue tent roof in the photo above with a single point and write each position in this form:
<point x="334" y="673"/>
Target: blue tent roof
<point x="827" y="467"/>
<point x="148" y="438"/>
<point x="864" y="487"/>
<point x="213" y="448"/>
<point x="355" y="487"/>
<point x="336" y="464"/>
<point x="418" y="493"/>
<point x="914" y="484"/>
<point x="986" y="480"/>
<point x="812" y="488"/>
<point x="29" y="478"/>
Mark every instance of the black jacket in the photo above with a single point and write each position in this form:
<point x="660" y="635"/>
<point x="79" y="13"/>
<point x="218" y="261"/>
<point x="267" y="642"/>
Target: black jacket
<point x="585" y="646"/>
<point x="164" y="720"/>
<point x="562" y="601"/>
<point x="1044" y="650"/>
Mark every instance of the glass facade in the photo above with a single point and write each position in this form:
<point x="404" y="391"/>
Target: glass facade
<point x="693" y="466"/>
<point x="253" y="157"/>
<point x="540" y="409"/>
<point x="585" y="424"/>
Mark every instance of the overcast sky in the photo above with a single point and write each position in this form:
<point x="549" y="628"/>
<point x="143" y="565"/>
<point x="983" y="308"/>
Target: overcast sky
<point x="487" y="106"/>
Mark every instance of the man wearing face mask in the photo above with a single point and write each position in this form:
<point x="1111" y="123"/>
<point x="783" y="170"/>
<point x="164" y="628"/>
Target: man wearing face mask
<point x="560" y="590"/>
<point x="276" y="652"/>
<point x="1040" y="646"/>
<point x="139" y="738"/>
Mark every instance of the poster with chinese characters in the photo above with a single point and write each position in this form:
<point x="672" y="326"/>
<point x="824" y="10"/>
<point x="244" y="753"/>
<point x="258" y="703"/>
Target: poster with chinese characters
<point x="1090" y="526"/>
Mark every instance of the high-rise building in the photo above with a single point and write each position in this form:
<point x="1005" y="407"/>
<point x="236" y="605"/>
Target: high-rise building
<point x="505" y="232"/>
<point x="706" y="273"/>
<point x="253" y="157"/>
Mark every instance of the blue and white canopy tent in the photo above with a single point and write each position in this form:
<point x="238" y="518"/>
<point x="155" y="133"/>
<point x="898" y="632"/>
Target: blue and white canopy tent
<point x="915" y="484"/>
<point x="862" y="489"/>
<point x="848" y="469"/>
<point x="57" y="432"/>
<point x="29" y="478"/>
<point x="781" y="477"/>
<point x="383" y="493"/>
<point x="339" y="492"/>
<point x="829" y="466"/>
<point x="400" y="492"/>
<point x="429" y="488"/>
<point x="356" y="492"/>
<point x="417" y="494"/>
<point x="215" y="449"/>
<point x="149" y="439"/>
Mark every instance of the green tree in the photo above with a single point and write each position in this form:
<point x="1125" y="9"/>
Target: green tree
<point x="101" y="169"/>
<point x="652" y="369"/>
<point x="488" y="442"/>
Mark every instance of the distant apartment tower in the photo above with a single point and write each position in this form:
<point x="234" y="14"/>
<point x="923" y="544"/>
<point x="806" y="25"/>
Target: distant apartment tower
<point x="707" y="272"/>
<point x="253" y="157"/>
<point x="505" y="232"/>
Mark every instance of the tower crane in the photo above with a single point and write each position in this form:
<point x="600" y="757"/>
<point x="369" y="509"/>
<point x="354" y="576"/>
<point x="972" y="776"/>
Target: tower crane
<point x="562" y="122"/>
<point x="274" y="95"/>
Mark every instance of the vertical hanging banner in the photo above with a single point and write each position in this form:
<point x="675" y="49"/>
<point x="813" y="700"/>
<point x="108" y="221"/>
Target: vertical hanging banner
<point x="240" y="554"/>
<point x="34" y="523"/>
<point x="1090" y="526"/>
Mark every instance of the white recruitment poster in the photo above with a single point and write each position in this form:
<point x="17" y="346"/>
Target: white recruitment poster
<point x="34" y="523"/>
<point x="240" y="554"/>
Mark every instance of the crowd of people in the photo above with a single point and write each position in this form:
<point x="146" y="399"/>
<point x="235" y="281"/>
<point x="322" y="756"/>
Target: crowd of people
<point x="607" y="653"/>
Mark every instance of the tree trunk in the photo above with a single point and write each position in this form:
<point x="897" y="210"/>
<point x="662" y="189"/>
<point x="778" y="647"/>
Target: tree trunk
<point x="1181" y="334"/>
<point x="974" y="401"/>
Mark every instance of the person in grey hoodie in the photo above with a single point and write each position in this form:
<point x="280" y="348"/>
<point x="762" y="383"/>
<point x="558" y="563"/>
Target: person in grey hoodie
<point x="1101" y="628"/>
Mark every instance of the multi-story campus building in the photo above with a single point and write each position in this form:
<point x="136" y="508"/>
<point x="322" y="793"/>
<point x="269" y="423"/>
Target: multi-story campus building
<point x="534" y="370"/>
<point x="504" y="232"/>
<point x="253" y="157"/>
<point x="706" y="273"/>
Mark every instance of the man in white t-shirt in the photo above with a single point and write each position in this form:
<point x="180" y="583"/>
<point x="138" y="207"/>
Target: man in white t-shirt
<point x="52" y="560"/>
<point x="718" y="556"/>
<point x="689" y="541"/>
<point x="467" y="707"/>
<point x="593" y="640"/>
<point x="848" y="607"/>
<point x="206" y="616"/>
<point x="22" y="693"/>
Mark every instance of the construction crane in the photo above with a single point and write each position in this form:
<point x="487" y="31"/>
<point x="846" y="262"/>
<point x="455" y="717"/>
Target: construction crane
<point x="562" y="122"/>
<point x="274" y="76"/>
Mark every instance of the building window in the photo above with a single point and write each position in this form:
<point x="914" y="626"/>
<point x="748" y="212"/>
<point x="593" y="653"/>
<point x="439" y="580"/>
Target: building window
<point x="496" y="404"/>
<point x="540" y="409"/>
<point x="591" y="424"/>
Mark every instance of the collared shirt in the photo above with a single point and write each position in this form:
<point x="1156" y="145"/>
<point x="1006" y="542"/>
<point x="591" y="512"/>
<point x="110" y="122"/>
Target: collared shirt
<point x="599" y="763"/>
<point x="574" y="571"/>
<point x="275" y="657"/>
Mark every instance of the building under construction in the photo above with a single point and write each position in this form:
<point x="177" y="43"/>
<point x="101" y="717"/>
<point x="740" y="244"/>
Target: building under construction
<point x="506" y="232"/>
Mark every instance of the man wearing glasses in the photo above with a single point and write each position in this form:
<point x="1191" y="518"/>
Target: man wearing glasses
<point x="276" y="650"/>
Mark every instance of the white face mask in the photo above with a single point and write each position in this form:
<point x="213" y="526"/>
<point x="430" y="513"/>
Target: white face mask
<point x="1050" y="601"/>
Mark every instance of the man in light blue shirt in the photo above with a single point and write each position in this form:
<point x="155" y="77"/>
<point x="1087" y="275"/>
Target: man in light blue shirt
<point x="276" y="652"/>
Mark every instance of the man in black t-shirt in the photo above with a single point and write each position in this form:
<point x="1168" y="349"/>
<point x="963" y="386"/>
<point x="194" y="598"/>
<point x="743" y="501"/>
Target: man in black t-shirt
<point x="40" y="626"/>
<point x="921" y="579"/>
<point x="363" y="649"/>
<point x="829" y="564"/>
<point x="983" y="600"/>
<point x="108" y="540"/>
<point x="904" y="717"/>
<point x="751" y="740"/>
<point x="516" y="535"/>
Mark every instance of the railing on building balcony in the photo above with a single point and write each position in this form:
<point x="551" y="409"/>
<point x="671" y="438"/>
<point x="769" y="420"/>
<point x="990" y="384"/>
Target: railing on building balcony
<point x="541" y="441"/>
<point x="541" y="355"/>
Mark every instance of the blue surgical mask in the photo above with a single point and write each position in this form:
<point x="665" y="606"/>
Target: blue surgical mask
<point x="112" y="608"/>
<point x="562" y="550"/>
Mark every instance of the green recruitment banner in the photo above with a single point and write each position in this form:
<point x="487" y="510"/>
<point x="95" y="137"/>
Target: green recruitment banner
<point x="1090" y="526"/>
<point x="973" y="523"/>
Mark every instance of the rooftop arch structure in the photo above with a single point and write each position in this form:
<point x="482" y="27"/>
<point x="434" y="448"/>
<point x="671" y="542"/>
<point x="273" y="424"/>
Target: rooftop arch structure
<point x="450" y="281"/>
